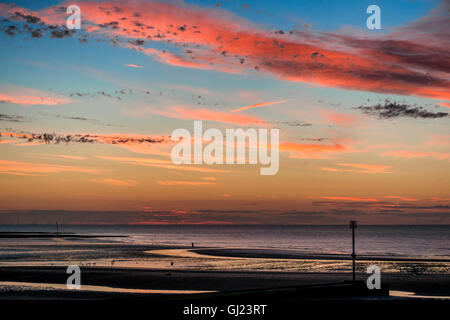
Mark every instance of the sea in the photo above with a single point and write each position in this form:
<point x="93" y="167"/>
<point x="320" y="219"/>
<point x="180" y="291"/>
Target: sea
<point x="420" y="241"/>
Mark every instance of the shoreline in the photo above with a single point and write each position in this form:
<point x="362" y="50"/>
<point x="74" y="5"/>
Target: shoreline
<point x="285" y="254"/>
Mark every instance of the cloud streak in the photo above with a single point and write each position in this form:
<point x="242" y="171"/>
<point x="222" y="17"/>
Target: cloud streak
<point x="29" y="97"/>
<point x="417" y="154"/>
<point x="185" y="113"/>
<point x="158" y="163"/>
<point x="31" y="168"/>
<point x="54" y="138"/>
<point x="258" y="105"/>
<point x="363" y="168"/>
<point x="185" y="183"/>
<point x="116" y="182"/>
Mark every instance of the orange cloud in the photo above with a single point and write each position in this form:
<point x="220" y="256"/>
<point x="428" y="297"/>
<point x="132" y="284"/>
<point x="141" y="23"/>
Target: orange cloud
<point x="417" y="154"/>
<point x="257" y="105"/>
<point x="314" y="151"/>
<point x="116" y="183"/>
<point x="209" y="115"/>
<point x="368" y="168"/>
<point x="437" y="199"/>
<point x="165" y="164"/>
<point x="331" y="169"/>
<point x="401" y="198"/>
<point x="16" y="167"/>
<point x="66" y="156"/>
<point x="351" y="199"/>
<point x="444" y="104"/>
<point x="185" y="183"/>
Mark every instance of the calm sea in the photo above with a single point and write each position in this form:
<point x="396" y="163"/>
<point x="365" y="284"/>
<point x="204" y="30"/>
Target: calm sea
<point x="411" y="241"/>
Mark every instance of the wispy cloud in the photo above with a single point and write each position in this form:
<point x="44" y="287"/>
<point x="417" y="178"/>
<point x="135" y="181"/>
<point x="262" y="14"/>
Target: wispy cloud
<point x="116" y="182"/>
<point x="401" y="198"/>
<point x="350" y="199"/>
<point x="314" y="150"/>
<point x="393" y="110"/>
<point x="164" y="164"/>
<point x="185" y="183"/>
<point x="417" y="154"/>
<point x="340" y="119"/>
<point x="124" y="139"/>
<point x="29" y="97"/>
<point x="11" y="118"/>
<point x="258" y="105"/>
<point x="70" y="157"/>
<point x="367" y="168"/>
<point x="182" y="112"/>
<point x="132" y="65"/>
<point x="18" y="167"/>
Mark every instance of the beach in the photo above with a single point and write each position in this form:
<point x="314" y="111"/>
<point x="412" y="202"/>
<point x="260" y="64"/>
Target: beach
<point x="36" y="269"/>
<point x="425" y="284"/>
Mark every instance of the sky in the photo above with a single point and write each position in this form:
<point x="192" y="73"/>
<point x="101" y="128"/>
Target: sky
<point x="86" y="116"/>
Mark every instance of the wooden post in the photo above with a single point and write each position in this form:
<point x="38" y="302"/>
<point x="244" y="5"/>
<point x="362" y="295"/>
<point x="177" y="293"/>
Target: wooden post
<point x="353" y="226"/>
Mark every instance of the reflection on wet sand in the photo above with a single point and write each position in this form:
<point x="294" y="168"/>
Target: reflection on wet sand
<point x="22" y="286"/>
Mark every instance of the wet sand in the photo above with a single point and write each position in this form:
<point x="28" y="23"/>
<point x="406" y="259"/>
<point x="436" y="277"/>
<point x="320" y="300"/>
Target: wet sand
<point x="426" y="284"/>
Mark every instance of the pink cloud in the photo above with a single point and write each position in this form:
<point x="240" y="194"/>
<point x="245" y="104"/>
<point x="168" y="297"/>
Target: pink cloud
<point x="132" y="65"/>
<point x="29" y="97"/>
<point x="215" y="39"/>
<point x="340" y="119"/>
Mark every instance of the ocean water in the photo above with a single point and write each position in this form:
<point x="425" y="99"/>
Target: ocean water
<point x="431" y="241"/>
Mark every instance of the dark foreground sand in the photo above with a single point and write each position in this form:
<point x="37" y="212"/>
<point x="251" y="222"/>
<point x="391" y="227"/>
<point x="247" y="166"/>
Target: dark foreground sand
<point x="424" y="284"/>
